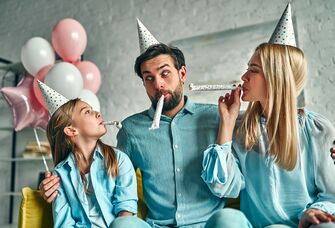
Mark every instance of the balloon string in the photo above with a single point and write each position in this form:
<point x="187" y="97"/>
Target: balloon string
<point x="40" y="150"/>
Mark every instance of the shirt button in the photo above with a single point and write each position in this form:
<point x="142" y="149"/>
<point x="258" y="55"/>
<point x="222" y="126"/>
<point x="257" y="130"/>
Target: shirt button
<point x="176" y="146"/>
<point x="179" y="194"/>
<point x="178" y="170"/>
<point x="178" y="215"/>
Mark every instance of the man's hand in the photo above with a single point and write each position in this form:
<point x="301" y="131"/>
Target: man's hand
<point x="315" y="216"/>
<point x="48" y="187"/>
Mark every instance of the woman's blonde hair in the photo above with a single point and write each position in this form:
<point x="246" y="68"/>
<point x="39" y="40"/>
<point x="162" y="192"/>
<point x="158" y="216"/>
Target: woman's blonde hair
<point x="61" y="145"/>
<point x="285" y="70"/>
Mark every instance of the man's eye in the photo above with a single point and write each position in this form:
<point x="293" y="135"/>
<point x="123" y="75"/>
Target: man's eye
<point x="165" y="73"/>
<point x="149" y="78"/>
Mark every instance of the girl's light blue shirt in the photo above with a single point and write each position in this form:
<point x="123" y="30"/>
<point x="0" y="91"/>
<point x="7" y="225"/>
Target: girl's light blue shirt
<point x="113" y="194"/>
<point x="273" y="195"/>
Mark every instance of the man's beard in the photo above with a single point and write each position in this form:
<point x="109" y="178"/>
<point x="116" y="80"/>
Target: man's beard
<point x="170" y="104"/>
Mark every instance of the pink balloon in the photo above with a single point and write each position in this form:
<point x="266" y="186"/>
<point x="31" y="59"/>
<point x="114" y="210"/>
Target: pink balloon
<point x="40" y="76"/>
<point x="27" y="111"/>
<point x="69" y="39"/>
<point x="91" y="75"/>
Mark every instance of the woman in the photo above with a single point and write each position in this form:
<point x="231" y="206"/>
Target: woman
<point x="282" y="151"/>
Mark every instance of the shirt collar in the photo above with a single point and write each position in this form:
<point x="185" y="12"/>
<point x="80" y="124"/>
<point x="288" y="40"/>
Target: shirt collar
<point x="98" y="153"/>
<point x="71" y="162"/>
<point x="188" y="107"/>
<point x="262" y="119"/>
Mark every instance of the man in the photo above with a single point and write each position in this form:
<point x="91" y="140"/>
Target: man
<point x="170" y="158"/>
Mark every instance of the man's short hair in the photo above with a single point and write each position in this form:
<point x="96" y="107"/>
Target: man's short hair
<point x="156" y="50"/>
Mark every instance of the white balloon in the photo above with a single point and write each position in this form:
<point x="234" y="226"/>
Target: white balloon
<point x="66" y="79"/>
<point x="90" y="98"/>
<point x="37" y="53"/>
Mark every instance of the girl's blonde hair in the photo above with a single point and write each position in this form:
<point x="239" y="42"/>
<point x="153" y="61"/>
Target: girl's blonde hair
<point x="61" y="145"/>
<point x="285" y="70"/>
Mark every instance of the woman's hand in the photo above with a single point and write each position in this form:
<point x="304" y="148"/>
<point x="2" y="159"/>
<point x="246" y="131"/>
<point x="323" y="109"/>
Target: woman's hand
<point x="315" y="216"/>
<point x="229" y="108"/>
<point x="48" y="187"/>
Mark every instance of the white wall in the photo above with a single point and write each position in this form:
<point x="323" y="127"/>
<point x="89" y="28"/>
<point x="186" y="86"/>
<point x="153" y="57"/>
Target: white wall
<point x="113" y="44"/>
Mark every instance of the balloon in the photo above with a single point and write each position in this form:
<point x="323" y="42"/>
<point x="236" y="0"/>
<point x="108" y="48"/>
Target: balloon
<point x="90" y="98"/>
<point x="91" y="75"/>
<point x="69" y="39"/>
<point x="37" y="53"/>
<point x="66" y="79"/>
<point x="27" y="111"/>
<point x="40" y="76"/>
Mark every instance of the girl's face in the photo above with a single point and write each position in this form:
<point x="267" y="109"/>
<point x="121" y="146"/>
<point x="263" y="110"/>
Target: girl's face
<point x="254" y="85"/>
<point x="89" y="123"/>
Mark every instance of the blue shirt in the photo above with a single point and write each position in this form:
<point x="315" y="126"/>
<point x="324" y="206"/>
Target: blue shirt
<point x="170" y="162"/>
<point x="273" y="195"/>
<point x="113" y="194"/>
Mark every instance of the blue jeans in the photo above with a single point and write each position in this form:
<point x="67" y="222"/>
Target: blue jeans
<point x="129" y="222"/>
<point x="228" y="217"/>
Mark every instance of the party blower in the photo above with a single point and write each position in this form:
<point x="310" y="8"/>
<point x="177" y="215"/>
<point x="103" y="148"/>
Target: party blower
<point x="114" y="122"/>
<point x="213" y="87"/>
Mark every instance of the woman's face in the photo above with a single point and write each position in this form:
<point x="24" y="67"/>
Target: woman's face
<point x="254" y="85"/>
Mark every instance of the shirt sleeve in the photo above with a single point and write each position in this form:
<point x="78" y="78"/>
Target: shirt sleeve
<point x="125" y="197"/>
<point x="61" y="210"/>
<point x="321" y="134"/>
<point x="123" y="140"/>
<point x="221" y="172"/>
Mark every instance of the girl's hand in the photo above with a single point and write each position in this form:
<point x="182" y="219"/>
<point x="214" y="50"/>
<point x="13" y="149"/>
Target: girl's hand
<point x="315" y="216"/>
<point x="229" y="108"/>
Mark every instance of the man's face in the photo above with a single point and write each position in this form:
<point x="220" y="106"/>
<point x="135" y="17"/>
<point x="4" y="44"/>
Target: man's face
<point x="160" y="77"/>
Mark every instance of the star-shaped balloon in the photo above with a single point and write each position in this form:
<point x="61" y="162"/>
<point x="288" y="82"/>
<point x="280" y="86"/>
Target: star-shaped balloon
<point x="27" y="111"/>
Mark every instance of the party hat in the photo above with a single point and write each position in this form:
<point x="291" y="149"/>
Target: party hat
<point x="284" y="31"/>
<point x="52" y="98"/>
<point x="146" y="39"/>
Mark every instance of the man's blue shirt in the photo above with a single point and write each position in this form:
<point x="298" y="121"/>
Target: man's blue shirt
<point x="170" y="160"/>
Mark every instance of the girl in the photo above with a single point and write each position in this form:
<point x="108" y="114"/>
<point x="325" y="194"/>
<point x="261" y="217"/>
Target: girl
<point x="282" y="151"/>
<point x="98" y="183"/>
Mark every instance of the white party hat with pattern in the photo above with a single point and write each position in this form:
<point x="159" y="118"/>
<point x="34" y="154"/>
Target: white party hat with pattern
<point x="52" y="98"/>
<point x="146" y="39"/>
<point x="284" y="31"/>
